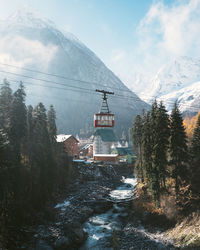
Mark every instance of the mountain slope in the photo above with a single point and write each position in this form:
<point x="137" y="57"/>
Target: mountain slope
<point x="179" y="81"/>
<point x="29" y="41"/>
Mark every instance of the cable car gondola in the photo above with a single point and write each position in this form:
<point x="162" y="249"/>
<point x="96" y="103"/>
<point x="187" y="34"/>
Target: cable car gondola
<point x="104" y="118"/>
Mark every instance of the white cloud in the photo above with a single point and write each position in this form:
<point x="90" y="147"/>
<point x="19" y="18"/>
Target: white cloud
<point x="22" y="52"/>
<point x="171" y="31"/>
<point x="28" y="52"/>
<point x="165" y="32"/>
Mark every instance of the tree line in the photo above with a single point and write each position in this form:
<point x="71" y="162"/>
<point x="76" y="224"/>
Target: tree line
<point x="164" y="151"/>
<point x="33" y="166"/>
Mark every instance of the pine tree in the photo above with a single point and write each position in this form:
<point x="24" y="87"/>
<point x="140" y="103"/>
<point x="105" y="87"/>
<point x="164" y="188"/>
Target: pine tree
<point x="18" y="122"/>
<point x="147" y="147"/>
<point x="161" y="142"/>
<point x="5" y="105"/>
<point x="137" y="142"/>
<point x="41" y="154"/>
<point x="155" y="175"/>
<point x="4" y="144"/>
<point x="195" y="163"/>
<point x="52" y="129"/>
<point x="29" y="135"/>
<point x="196" y="140"/>
<point x="178" y="146"/>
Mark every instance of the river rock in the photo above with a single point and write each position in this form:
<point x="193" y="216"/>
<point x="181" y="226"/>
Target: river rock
<point x="61" y="243"/>
<point x="75" y="233"/>
<point x="85" y="212"/>
<point x="102" y="206"/>
<point x="42" y="245"/>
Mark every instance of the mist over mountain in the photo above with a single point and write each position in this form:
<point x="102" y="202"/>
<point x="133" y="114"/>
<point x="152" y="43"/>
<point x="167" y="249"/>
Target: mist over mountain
<point x="32" y="42"/>
<point x="179" y="80"/>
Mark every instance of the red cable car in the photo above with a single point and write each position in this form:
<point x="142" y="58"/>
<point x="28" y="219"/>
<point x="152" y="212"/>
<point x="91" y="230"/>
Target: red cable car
<point x="104" y="118"/>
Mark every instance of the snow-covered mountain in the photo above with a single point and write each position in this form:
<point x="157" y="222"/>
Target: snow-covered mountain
<point x="32" y="42"/>
<point x="179" y="81"/>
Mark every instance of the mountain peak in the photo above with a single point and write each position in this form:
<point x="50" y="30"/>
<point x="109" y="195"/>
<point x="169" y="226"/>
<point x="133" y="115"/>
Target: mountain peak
<point x="27" y="16"/>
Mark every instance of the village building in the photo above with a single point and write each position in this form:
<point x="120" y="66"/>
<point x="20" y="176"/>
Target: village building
<point x="70" y="144"/>
<point x="108" y="158"/>
<point x="103" y="141"/>
<point x="86" y="150"/>
<point x="125" y="154"/>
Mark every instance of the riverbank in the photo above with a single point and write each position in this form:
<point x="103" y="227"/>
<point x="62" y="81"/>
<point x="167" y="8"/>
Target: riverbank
<point x="87" y="195"/>
<point x="99" y="210"/>
<point x="169" y="224"/>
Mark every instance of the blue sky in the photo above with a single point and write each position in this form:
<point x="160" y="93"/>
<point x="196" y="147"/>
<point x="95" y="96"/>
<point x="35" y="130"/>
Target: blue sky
<point x="131" y="37"/>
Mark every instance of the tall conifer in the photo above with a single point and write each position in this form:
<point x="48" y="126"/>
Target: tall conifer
<point x="52" y="129"/>
<point x="5" y="105"/>
<point x="196" y="140"/>
<point x="137" y="142"/>
<point x="18" y="121"/>
<point x="178" y="146"/>
<point x="161" y="142"/>
<point x="147" y="147"/>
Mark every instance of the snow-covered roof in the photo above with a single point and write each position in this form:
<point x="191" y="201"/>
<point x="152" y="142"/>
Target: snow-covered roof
<point x="87" y="146"/>
<point x="62" y="137"/>
<point x="105" y="155"/>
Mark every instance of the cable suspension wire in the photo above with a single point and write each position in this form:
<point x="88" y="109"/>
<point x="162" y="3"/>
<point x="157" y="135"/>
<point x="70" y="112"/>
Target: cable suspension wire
<point x="65" y="77"/>
<point x="78" y="100"/>
<point x="52" y="82"/>
<point x="57" y="83"/>
<point x="71" y="79"/>
<point x="80" y="89"/>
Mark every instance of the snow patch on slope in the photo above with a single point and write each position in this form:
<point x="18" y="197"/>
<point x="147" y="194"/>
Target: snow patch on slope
<point x="176" y="81"/>
<point x="188" y="98"/>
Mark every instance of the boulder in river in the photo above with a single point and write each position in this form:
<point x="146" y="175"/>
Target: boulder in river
<point x="61" y="243"/>
<point x="75" y="233"/>
<point x="42" y="245"/>
<point x="102" y="206"/>
<point x="85" y="213"/>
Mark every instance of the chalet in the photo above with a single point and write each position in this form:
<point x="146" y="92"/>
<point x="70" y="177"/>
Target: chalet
<point x="70" y="144"/>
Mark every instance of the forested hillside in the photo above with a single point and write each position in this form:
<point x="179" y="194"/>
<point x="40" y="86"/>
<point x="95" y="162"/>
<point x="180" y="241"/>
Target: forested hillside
<point x="166" y="163"/>
<point x="168" y="170"/>
<point x="32" y="166"/>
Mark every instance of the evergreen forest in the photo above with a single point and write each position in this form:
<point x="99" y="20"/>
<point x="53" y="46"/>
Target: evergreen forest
<point x="167" y="159"/>
<point x="33" y="167"/>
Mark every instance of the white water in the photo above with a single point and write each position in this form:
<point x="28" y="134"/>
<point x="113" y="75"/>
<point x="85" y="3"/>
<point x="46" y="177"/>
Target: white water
<point x="63" y="205"/>
<point x="101" y="227"/>
<point x="125" y="191"/>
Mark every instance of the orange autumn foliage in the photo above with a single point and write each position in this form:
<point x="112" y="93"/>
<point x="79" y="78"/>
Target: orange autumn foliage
<point x="189" y="124"/>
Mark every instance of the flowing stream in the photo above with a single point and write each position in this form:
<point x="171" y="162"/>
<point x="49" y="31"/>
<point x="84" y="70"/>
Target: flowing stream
<point x="102" y="227"/>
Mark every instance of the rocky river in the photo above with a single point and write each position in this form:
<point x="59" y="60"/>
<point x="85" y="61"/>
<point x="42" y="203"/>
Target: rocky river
<point x="96" y="214"/>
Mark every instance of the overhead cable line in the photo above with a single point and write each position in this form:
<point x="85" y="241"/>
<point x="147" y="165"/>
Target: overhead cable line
<point x="78" y="80"/>
<point x="80" y="89"/>
<point x="64" y="77"/>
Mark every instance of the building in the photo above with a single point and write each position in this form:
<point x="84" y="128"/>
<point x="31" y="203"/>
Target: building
<point x="103" y="141"/>
<point x="70" y="144"/>
<point x="86" y="150"/>
<point x="108" y="158"/>
<point x="125" y="154"/>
